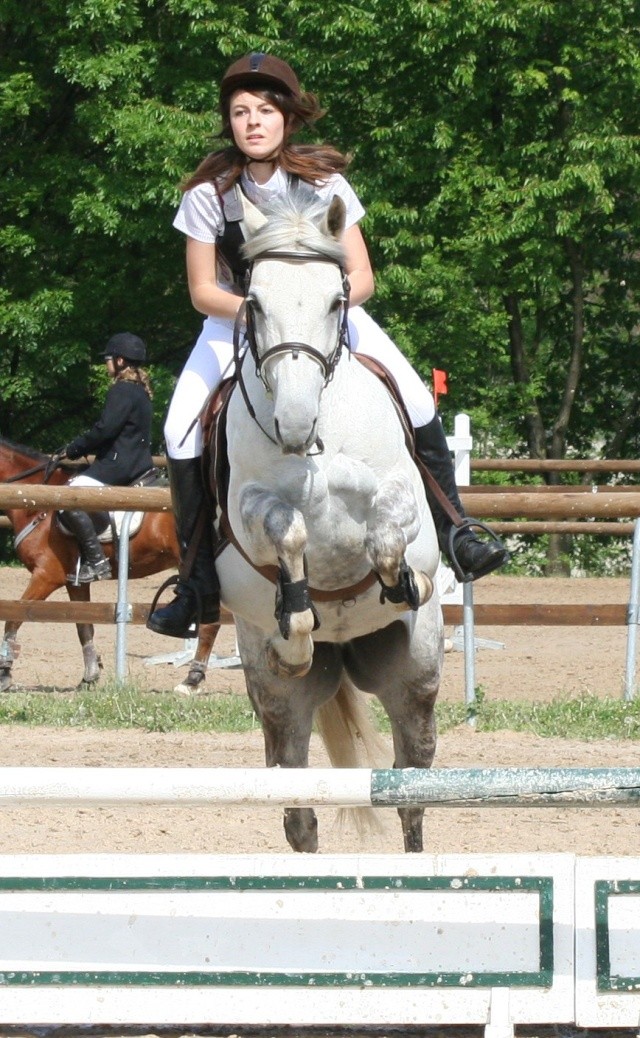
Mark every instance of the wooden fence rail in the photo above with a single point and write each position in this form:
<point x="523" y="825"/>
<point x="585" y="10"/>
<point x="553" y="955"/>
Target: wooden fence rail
<point x="486" y="614"/>
<point x="516" y="503"/>
<point x="559" y="503"/>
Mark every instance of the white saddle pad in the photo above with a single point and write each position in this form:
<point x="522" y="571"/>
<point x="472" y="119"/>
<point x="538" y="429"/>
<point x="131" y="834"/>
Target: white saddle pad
<point x="117" y="517"/>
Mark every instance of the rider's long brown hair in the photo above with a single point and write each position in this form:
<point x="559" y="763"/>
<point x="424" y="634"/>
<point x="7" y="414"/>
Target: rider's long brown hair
<point x="313" y="163"/>
<point x="135" y="374"/>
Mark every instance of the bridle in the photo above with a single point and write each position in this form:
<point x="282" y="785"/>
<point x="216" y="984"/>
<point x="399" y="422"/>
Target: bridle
<point x="48" y="467"/>
<point x="27" y="472"/>
<point x="245" y="313"/>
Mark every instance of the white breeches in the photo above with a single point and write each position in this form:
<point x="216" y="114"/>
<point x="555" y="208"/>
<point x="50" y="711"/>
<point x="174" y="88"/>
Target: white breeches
<point x="211" y="360"/>
<point x="85" y="481"/>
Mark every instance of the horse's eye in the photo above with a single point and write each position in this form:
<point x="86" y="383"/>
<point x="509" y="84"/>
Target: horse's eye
<point x="253" y="304"/>
<point x="337" y="303"/>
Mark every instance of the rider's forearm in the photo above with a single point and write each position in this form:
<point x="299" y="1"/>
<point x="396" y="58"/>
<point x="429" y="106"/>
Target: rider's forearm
<point x="361" y="287"/>
<point x="213" y="301"/>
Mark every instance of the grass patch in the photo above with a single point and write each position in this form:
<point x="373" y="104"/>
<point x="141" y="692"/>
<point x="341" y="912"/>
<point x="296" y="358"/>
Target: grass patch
<point x="125" y="706"/>
<point x="113" y="706"/>
<point x="585" y="718"/>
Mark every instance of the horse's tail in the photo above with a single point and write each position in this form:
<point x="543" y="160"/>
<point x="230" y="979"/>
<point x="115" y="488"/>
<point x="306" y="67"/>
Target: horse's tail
<point x="352" y="740"/>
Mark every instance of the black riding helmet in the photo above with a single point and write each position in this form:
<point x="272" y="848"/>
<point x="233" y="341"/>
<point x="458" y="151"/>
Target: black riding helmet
<point x="126" y="345"/>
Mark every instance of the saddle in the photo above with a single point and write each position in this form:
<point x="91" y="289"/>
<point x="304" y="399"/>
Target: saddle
<point x="108" y="525"/>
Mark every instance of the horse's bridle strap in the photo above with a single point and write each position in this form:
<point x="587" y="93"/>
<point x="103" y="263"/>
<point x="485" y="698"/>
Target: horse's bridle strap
<point x="327" y="364"/>
<point x="294" y="348"/>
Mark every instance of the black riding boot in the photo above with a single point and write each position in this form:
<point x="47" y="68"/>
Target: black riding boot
<point x="470" y="556"/>
<point x="94" y="565"/>
<point x="197" y="595"/>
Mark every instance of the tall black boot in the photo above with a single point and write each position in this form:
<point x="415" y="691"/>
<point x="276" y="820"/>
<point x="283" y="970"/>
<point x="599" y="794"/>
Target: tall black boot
<point x="94" y="565"/>
<point x="197" y="594"/>
<point x="470" y="556"/>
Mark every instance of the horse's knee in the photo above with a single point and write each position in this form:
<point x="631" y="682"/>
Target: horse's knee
<point x="301" y="829"/>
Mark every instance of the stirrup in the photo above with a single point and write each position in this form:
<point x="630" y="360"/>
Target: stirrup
<point x="174" y="581"/>
<point x="87" y="572"/>
<point x="456" y="532"/>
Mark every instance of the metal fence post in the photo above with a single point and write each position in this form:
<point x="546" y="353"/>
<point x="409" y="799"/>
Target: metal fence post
<point x="123" y="608"/>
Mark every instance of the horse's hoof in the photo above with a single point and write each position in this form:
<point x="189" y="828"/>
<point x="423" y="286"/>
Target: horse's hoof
<point x="189" y="688"/>
<point x="425" y="586"/>
<point x="6" y="681"/>
<point x="88" y="681"/>
<point x="196" y="676"/>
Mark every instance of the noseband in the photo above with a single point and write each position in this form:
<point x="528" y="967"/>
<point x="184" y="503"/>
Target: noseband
<point x="326" y="364"/>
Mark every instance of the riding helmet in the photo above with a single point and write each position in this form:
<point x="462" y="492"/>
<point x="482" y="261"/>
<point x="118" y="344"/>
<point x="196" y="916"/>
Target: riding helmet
<point x="262" y="72"/>
<point x="130" y="347"/>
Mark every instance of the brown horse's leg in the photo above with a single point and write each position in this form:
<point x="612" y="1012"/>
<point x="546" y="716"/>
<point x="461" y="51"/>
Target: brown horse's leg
<point x="92" y="661"/>
<point x="9" y="651"/>
<point x="198" y="668"/>
<point x="40" y="586"/>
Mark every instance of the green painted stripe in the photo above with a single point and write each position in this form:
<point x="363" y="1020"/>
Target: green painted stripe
<point x="175" y="883"/>
<point x="605" y="979"/>
<point x="263" y="978"/>
<point x="543" y="977"/>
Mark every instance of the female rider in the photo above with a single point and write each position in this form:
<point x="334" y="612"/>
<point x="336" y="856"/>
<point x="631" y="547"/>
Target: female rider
<point x="262" y="106"/>
<point x="120" y="439"/>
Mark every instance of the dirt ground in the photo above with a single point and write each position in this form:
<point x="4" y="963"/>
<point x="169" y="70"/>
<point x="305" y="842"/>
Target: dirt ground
<point x="510" y="663"/>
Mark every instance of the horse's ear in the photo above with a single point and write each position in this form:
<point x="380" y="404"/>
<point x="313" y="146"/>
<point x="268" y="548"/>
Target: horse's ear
<point x="335" y="219"/>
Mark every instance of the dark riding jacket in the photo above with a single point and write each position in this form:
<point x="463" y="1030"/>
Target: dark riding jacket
<point x="120" y="438"/>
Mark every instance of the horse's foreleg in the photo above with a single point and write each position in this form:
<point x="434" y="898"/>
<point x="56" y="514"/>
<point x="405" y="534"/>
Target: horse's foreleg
<point x="276" y="529"/>
<point x="9" y="652"/>
<point x="207" y="634"/>
<point x="37" y="590"/>
<point x="286" y="709"/>
<point x="394" y="523"/>
<point x="92" y="660"/>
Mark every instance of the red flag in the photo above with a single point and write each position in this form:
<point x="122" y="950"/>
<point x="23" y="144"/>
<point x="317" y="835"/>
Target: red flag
<point x="440" y="387"/>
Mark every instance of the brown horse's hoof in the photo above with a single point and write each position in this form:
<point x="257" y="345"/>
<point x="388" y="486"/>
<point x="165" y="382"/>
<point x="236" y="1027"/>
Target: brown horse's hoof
<point x="6" y="681"/>
<point x="191" y="684"/>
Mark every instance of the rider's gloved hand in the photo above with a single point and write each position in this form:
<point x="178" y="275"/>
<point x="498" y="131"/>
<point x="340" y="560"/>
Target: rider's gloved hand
<point x="74" y="450"/>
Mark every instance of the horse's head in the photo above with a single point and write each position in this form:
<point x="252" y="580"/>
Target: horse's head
<point x="296" y="309"/>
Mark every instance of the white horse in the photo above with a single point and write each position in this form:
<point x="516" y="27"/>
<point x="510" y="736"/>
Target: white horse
<point x="324" y="493"/>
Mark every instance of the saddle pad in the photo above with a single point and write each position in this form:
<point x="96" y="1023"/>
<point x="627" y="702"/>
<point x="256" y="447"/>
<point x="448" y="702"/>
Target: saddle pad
<point x="116" y="519"/>
<point x="106" y="537"/>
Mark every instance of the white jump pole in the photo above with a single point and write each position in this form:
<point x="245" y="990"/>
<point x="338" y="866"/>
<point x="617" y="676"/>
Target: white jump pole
<point x="296" y="787"/>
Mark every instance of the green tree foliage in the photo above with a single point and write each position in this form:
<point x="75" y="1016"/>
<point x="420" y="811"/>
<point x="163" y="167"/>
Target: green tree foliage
<point x="494" y="144"/>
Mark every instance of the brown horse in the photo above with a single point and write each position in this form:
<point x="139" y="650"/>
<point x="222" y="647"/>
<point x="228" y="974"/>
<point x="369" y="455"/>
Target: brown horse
<point x="50" y="555"/>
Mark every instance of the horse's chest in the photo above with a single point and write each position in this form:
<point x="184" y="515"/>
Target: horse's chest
<point x="341" y="496"/>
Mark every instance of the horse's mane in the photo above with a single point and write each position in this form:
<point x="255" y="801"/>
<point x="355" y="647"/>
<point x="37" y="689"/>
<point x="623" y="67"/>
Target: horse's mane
<point x="20" y="448"/>
<point x="293" y="222"/>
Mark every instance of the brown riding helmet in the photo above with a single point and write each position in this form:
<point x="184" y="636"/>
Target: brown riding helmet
<point x="260" y="72"/>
